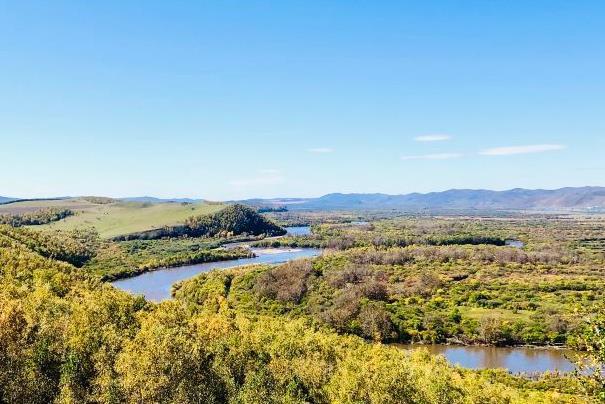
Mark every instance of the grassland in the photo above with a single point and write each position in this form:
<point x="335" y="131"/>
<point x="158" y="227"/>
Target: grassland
<point x="113" y="218"/>
<point x="21" y="207"/>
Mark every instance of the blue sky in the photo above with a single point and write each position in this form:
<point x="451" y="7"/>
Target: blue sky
<point x="232" y="99"/>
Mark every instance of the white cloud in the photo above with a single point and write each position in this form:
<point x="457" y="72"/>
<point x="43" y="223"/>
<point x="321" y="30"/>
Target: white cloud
<point x="320" y="150"/>
<point x="436" y="156"/>
<point x="265" y="177"/>
<point x="432" y="138"/>
<point x="509" y="150"/>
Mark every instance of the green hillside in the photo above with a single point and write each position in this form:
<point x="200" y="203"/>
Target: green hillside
<point x="112" y="218"/>
<point x="233" y="220"/>
<point x="29" y="206"/>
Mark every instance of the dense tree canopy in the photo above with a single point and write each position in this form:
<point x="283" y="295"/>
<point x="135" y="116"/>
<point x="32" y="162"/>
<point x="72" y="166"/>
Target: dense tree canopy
<point x="42" y="216"/>
<point x="231" y="221"/>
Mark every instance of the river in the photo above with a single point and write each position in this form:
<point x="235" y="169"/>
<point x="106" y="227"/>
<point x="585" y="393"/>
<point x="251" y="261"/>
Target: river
<point x="514" y="359"/>
<point x="299" y="230"/>
<point x="156" y="285"/>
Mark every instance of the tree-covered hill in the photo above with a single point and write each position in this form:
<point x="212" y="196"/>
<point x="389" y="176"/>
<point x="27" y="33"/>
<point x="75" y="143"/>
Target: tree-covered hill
<point x="231" y="221"/>
<point x="111" y="217"/>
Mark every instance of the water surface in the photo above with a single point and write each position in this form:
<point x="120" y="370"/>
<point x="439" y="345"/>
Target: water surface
<point x="299" y="230"/>
<point x="515" y="243"/>
<point x="156" y="285"/>
<point x="514" y="359"/>
<point x="359" y="223"/>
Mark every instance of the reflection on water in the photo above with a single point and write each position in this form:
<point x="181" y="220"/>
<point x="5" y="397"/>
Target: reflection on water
<point x="515" y="359"/>
<point x="156" y="285"/>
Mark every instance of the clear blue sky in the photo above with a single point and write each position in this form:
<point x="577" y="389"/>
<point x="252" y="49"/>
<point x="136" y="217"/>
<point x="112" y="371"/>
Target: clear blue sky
<point x="232" y="99"/>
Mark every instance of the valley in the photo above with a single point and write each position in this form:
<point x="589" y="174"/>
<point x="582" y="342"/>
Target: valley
<point x="478" y="289"/>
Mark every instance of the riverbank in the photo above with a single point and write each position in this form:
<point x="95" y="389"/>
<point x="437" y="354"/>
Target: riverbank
<point x="205" y="256"/>
<point x="120" y="260"/>
<point x="156" y="285"/>
<point x="514" y="359"/>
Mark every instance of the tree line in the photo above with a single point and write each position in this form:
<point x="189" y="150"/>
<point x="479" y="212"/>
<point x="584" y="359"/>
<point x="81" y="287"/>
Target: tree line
<point x="39" y="217"/>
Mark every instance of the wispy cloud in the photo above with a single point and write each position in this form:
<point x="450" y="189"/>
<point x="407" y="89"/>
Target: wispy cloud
<point x="432" y="138"/>
<point x="436" y="156"/>
<point x="320" y="150"/>
<point x="264" y="177"/>
<point x="509" y="150"/>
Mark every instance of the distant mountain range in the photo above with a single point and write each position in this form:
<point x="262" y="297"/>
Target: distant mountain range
<point x="585" y="198"/>
<point x="5" y="199"/>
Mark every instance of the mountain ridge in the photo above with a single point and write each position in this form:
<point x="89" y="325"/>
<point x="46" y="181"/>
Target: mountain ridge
<point x="589" y="197"/>
<point x="582" y="198"/>
<point x="6" y="199"/>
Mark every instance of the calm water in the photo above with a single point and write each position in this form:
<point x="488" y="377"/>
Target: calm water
<point x="299" y="230"/>
<point x="156" y="285"/>
<point x="516" y="359"/>
<point x="515" y="243"/>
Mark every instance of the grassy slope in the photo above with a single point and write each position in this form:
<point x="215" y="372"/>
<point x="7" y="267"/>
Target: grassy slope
<point x="118" y="218"/>
<point x="76" y="204"/>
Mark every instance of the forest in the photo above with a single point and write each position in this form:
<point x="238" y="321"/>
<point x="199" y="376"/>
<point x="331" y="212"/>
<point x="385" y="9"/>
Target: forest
<point x="435" y="280"/>
<point x="232" y="220"/>
<point x="43" y="216"/>
<point x="313" y="330"/>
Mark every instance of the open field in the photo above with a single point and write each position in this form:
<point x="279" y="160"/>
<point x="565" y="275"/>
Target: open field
<point x="116" y="219"/>
<point x="113" y="218"/>
<point x="17" y="208"/>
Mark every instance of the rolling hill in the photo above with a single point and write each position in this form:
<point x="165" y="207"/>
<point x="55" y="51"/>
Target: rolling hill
<point x="114" y="217"/>
<point x="231" y="220"/>
<point x="152" y="199"/>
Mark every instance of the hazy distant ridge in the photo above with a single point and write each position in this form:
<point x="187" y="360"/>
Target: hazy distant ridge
<point x="564" y="198"/>
<point x="151" y="199"/>
<point x="6" y="199"/>
<point x="461" y="199"/>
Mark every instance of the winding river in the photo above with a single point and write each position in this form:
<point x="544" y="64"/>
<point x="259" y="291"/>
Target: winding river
<point x="156" y="286"/>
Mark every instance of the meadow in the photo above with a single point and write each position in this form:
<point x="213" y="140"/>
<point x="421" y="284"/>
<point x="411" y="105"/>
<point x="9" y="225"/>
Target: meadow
<point x="113" y="218"/>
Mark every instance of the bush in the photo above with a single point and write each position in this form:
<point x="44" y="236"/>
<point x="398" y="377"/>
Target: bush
<point x="286" y="283"/>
